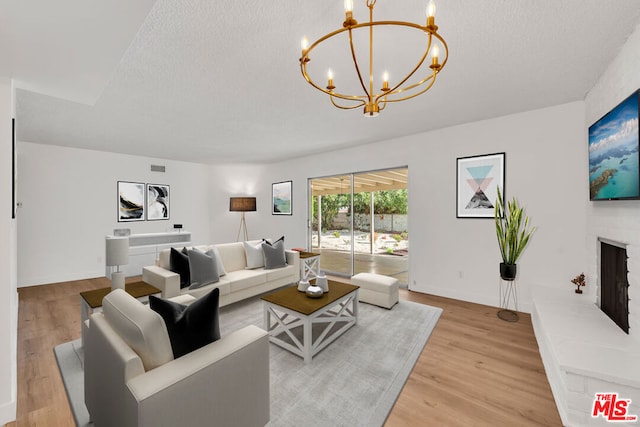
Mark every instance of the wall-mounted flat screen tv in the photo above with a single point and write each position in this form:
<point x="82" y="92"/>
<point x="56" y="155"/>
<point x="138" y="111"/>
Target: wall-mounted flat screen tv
<point x="614" y="171"/>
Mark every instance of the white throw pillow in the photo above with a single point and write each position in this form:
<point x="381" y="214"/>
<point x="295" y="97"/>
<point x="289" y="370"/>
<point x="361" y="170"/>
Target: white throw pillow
<point x="219" y="265"/>
<point x="255" y="257"/>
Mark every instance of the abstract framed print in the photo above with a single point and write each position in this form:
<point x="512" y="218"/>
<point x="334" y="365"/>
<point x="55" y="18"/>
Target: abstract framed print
<point x="281" y="196"/>
<point x="130" y="201"/>
<point x="478" y="178"/>
<point x="157" y="202"/>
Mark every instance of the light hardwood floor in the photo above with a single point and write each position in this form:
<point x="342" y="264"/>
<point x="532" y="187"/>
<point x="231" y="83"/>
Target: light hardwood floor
<point x="475" y="370"/>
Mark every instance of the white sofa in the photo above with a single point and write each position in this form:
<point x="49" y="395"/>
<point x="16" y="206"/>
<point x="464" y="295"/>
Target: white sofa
<point x="132" y="380"/>
<point x="237" y="284"/>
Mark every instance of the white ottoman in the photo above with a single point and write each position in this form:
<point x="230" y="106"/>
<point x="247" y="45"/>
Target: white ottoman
<point x="376" y="289"/>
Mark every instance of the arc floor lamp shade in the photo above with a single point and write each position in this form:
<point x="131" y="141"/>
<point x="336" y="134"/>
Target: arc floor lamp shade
<point x="242" y="204"/>
<point x="117" y="254"/>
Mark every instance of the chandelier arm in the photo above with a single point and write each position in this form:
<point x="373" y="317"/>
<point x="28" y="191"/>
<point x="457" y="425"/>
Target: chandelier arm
<point x="329" y="92"/>
<point x="355" y="62"/>
<point x="433" y="80"/>
<point x="342" y="107"/>
<point x="393" y="89"/>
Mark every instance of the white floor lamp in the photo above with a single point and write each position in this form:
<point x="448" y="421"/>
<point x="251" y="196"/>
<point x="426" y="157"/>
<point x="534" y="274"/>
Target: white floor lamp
<point x="242" y="204"/>
<point x="117" y="254"/>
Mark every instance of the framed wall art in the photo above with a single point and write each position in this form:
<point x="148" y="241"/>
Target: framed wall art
<point x="130" y="201"/>
<point x="477" y="180"/>
<point x="157" y="202"/>
<point x="282" y="200"/>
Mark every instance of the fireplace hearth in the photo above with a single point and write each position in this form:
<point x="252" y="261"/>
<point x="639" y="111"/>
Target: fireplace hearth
<point x="614" y="299"/>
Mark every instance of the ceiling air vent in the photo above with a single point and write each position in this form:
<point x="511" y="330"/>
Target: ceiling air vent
<point x="157" y="168"/>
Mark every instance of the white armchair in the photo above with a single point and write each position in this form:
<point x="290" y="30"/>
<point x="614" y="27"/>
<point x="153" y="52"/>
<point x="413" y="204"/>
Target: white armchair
<point x="131" y="378"/>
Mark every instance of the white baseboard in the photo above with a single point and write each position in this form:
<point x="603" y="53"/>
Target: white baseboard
<point x="7" y="412"/>
<point x="56" y="278"/>
<point x="477" y="298"/>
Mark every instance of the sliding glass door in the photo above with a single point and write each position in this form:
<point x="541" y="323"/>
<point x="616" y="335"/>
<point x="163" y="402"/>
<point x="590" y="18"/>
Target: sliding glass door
<point x="331" y="223"/>
<point x="359" y="222"/>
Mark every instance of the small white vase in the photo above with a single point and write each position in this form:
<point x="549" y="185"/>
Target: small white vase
<point x="322" y="282"/>
<point x="303" y="285"/>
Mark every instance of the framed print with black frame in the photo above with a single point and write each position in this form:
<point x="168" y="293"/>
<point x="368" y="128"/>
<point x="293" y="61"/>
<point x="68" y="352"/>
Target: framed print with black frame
<point x="131" y="201"/>
<point x="157" y="207"/>
<point x="281" y="193"/>
<point x="477" y="180"/>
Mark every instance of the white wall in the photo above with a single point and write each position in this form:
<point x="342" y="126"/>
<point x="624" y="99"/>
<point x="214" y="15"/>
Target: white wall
<point x="69" y="203"/>
<point x="616" y="220"/>
<point x="8" y="294"/>
<point x="545" y="168"/>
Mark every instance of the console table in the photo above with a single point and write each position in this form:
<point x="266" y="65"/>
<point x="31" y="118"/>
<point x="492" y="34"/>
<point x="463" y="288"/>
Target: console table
<point x="144" y="249"/>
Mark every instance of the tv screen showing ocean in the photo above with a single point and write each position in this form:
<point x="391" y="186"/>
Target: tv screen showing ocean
<point x="614" y="163"/>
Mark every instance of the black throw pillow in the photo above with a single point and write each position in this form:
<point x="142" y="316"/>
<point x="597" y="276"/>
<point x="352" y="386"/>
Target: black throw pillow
<point x="179" y="263"/>
<point x="189" y="326"/>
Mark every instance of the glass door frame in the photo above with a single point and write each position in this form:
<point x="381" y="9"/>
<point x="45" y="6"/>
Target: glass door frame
<point x="352" y="216"/>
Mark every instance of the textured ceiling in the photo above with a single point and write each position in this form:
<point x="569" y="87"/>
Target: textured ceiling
<point x="219" y="81"/>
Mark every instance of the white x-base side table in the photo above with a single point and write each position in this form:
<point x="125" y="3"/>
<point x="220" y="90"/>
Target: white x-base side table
<point x="309" y="265"/>
<point x="304" y="326"/>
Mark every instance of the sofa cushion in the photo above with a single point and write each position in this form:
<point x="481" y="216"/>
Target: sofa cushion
<point x="142" y="329"/>
<point x="202" y="268"/>
<point x="179" y="263"/>
<point x="279" y="273"/>
<point x="190" y="327"/>
<point x="223" y="286"/>
<point x="254" y="255"/>
<point x="274" y="256"/>
<point x="243" y="279"/>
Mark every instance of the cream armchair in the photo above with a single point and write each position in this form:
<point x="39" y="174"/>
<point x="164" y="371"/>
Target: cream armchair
<point x="131" y="378"/>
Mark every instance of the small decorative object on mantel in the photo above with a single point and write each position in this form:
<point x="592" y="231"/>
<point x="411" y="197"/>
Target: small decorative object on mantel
<point x="314" y="291"/>
<point x="579" y="281"/>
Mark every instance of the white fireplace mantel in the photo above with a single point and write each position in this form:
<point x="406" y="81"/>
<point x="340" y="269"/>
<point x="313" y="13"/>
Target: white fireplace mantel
<point x="584" y="352"/>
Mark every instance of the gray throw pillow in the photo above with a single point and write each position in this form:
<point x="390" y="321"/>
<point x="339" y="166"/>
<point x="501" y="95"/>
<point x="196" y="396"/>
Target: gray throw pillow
<point x="274" y="256"/>
<point x="202" y="268"/>
<point x="255" y="259"/>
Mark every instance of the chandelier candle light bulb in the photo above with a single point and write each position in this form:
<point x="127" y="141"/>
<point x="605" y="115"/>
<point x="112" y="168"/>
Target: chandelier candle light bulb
<point x="348" y="6"/>
<point x="431" y="14"/>
<point x="385" y="82"/>
<point x="434" y="56"/>
<point x="330" y="85"/>
<point x="415" y="82"/>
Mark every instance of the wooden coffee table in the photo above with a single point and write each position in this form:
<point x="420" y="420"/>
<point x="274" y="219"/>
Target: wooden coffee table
<point x="92" y="300"/>
<point x="305" y="326"/>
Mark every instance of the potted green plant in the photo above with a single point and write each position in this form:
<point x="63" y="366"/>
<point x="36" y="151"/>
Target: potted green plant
<point x="512" y="230"/>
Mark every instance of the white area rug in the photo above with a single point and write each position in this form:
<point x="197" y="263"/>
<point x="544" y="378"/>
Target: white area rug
<point x="353" y="382"/>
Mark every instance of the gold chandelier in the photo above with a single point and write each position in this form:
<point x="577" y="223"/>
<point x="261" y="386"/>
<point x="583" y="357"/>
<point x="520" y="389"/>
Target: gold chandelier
<point x="374" y="102"/>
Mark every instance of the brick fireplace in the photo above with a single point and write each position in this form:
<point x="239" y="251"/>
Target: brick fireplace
<point x="584" y="350"/>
